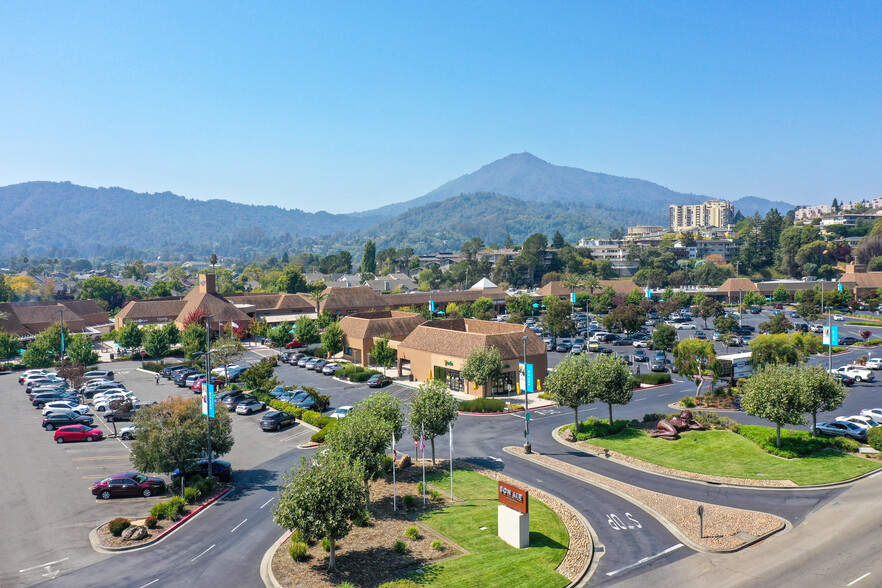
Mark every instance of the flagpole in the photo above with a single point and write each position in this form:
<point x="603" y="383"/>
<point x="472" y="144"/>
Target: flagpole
<point x="423" y="445"/>
<point x="394" y="503"/>
<point x="450" y="426"/>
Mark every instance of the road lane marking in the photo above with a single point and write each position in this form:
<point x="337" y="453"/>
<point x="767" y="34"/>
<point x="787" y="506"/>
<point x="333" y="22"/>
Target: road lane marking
<point x="660" y="395"/>
<point x="99" y="457"/>
<point x="149" y="583"/>
<point x="51" y="563"/>
<point x="646" y="559"/>
<point x="201" y="554"/>
<point x="267" y="502"/>
<point x="237" y="526"/>
<point x="856" y="580"/>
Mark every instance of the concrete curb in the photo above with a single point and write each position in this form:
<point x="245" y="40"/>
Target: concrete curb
<point x="674" y="529"/>
<point x="266" y="563"/>
<point x="96" y="542"/>
<point x="557" y="438"/>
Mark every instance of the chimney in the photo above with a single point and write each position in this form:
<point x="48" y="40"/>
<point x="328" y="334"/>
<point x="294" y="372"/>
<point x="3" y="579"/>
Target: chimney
<point x="207" y="283"/>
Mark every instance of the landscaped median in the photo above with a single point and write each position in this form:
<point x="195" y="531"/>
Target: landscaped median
<point x="447" y="543"/>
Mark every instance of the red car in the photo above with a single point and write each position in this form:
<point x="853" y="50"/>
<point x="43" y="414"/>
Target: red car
<point x="77" y="433"/>
<point x="197" y="384"/>
<point x="295" y="344"/>
<point x="128" y="484"/>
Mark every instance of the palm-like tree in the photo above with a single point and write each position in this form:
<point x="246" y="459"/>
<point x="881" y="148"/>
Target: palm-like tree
<point x="571" y="282"/>
<point x="317" y="295"/>
<point x="592" y="283"/>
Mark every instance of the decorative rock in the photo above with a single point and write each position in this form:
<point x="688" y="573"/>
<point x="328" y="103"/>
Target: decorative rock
<point x="404" y="462"/>
<point x="568" y="435"/>
<point x="134" y="533"/>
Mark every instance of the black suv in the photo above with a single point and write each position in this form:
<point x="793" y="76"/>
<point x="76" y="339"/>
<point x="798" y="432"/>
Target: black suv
<point x="273" y="421"/>
<point x="60" y="419"/>
<point x="181" y="375"/>
<point x="232" y="401"/>
<point x="172" y="370"/>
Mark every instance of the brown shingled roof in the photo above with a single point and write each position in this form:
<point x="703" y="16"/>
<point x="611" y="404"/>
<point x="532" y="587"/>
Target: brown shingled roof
<point x="213" y="305"/>
<point x="360" y="298"/>
<point x="735" y="284"/>
<point x="394" y="323"/>
<point x="458" y="337"/>
<point x="556" y="288"/>
<point x="150" y="309"/>
<point x="862" y="280"/>
<point x="11" y="324"/>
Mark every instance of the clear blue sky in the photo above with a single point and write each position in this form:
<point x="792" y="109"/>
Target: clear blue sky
<point x="349" y="106"/>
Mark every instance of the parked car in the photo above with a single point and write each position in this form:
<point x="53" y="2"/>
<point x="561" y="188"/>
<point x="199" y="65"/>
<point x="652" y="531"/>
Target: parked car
<point x="104" y="403"/>
<point x="190" y="379"/>
<point x="838" y="317"/>
<point x="42" y="399"/>
<point x="686" y="326"/>
<point x="99" y="375"/>
<point x="641" y="343"/>
<point x="341" y="412"/>
<point x="849" y="340"/>
<point x="859" y="373"/>
<point x="180" y="377"/>
<point x="293" y="396"/>
<point x="64" y="406"/>
<point x="196" y="387"/>
<point x="57" y="420"/>
<point x="302" y="361"/>
<point x="319" y="365"/>
<point x="779" y="306"/>
<point x="128" y="484"/>
<point x="232" y="402"/>
<point x="276" y="420"/>
<point x="128" y="433"/>
<point x="307" y="403"/>
<point x="657" y="365"/>
<point x="378" y="381"/>
<point x="331" y="368"/>
<point x="250" y="406"/>
<point x="700" y="335"/>
<point x="624" y="341"/>
<point x="640" y="356"/>
<point x="295" y="344"/>
<point x="754" y="310"/>
<point x="219" y="469"/>
<point x="846" y="380"/>
<point x="77" y="433"/>
<point x="576" y="349"/>
<point x="840" y="429"/>
<point x="169" y="371"/>
<point x="32" y="373"/>
<point x="593" y="347"/>
<point x="861" y="420"/>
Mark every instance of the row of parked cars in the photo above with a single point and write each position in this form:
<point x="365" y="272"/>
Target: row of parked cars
<point x="322" y="366"/>
<point x="61" y="408"/>
<point x="855" y="426"/>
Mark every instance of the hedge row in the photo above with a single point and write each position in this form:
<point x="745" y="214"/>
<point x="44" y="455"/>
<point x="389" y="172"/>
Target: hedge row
<point x="482" y="405"/>
<point x="653" y="379"/>
<point x="594" y="427"/>
<point x="794" y="443"/>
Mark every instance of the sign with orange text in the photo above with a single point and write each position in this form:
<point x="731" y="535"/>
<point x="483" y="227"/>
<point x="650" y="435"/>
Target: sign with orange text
<point x="513" y="497"/>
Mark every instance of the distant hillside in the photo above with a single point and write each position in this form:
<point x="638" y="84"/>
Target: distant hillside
<point x="752" y="204"/>
<point x="66" y="220"/>
<point x="449" y="223"/>
<point x="527" y="177"/>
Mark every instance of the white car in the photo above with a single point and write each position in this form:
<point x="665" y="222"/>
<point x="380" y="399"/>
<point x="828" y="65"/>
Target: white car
<point x="64" y="406"/>
<point x="686" y="326"/>
<point x="873" y="413"/>
<point x="104" y="394"/>
<point x="858" y="372"/>
<point x="341" y="412"/>
<point x="104" y="404"/>
<point x="129" y="432"/>
<point x="863" y="421"/>
<point x="640" y="343"/>
<point x="838" y="317"/>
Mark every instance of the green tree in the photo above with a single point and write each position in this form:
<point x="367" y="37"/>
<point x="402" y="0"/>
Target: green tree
<point x="568" y="384"/>
<point x="627" y="317"/>
<point x="609" y="381"/>
<point x="306" y="330"/>
<point x="38" y="355"/>
<point x="9" y="345"/>
<point x="280" y="334"/>
<point x="773" y="349"/>
<point x="159" y="289"/>
<point x="320" y="499"/>
<point x="171" y="333"/>
<point x="809" y="311"/>
<point x="664" y="337"/>
<point x="483" y="365"/>
<point x="259" y="377"/>
<point x="80" y="350"/>
<point x="135" y="270"/>
<point x="363" y="439"/>
<point x="780" y="294"/>
<point x="129" y="336"/>
<point x="212" y="259"/>
<point x="173" y="434"/>
<point x="725" y="324"/>
<point x="557" y="241"/>
<point x="753" y="299"/>
<point x="332" y="339"/>
<point x="557" y="316"/>
<point x="292" y="280"/>
<point x="107" y="293"/>
<point x="383" y="354"/>
<point x="369" y="258"/>
<point x="481" y="308"/>
<point x="155" y="342"/>
<point x="777" y="324"/>
<point x="317" y="295"/>
<point x="193" y="340"/>
<point x="692" y="358"/>
<point x="775" y="394"/>
<point x="709" y="308"/>
<point x="822" y="392"/>
<point x="519" y="303"/>
<point x="6" y="293"/>
<point x="434" y="408"/>
<point x="227" y="351"/>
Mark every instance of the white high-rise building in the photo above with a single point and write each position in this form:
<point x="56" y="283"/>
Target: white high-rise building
<point x="713" y="213"/>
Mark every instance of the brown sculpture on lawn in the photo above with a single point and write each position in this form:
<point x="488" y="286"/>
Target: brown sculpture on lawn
<point x="671" y="428"/>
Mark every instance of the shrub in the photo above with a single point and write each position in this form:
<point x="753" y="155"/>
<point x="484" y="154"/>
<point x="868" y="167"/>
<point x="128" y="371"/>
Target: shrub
<point x="297" y="550"/>
<point x="326" y="544"/>
<point x="118" y="525"/>
<point x="413" y="533"/>
<point x="311" y="417"/>
<point x="654" y="417"/>
<point x="400" y="584"/>
<point x="794" y="443"/>
<point x="435" y="495"/>
<point x="516" y="406"/>
<point x="171" y="509"/>
<point x="420" y="488"/>
<point x="388" y="464"/>
<point x="874" y="438"/>
<point x="653" y="378"/>
<point x="594" y="427"/>
<point x="400" y="547"/>
<point x="319" y="436"/>
<point x="347" y="585"/>
<point x="363" y="519"/>
<point x="409" y="500"/>
<point x="205" y="486"/>
<point x="191" y="495"/>
<point x="482" y="405"/>
<point x="687" y="402"/>
<point x="546" y="396"/>
<point x="438" y="545"/>
<point x="151" y="522"/>
<point x="360" y="376"/>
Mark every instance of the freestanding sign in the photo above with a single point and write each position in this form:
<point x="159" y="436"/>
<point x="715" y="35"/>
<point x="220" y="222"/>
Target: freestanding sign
<point x="208" y="400"/>
<point x="514" y="516"/>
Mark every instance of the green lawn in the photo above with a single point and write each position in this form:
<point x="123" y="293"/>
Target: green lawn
<point x="492" y="562"/>
<point x="724" y="453"/>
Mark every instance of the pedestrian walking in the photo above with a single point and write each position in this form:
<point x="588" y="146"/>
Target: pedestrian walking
<point x="638" y="370"/>
<point x="157" y="378"/>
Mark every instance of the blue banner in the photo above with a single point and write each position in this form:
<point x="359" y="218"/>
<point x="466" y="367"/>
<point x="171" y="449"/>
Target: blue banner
<point x="208" y="400"/>
<point x="530" y="383"/>
<point x="573" y="297"/>
<point x="431" y="306"/>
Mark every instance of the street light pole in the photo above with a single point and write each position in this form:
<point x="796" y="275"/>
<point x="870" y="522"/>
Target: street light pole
<point x="207" y="384"/>
<point x="527" y="447"/>
<point x="61" y="310"/>
<point x="740" y="307"/>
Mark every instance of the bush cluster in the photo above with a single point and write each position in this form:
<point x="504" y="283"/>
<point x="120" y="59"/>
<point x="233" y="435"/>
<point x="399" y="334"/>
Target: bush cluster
<point x="653" y="378"/>
<point x="205" y="486"/>
<point x="435" y="495"/>
<point x="326" y="544"/>
<point x="363" y="519"/>
<point x="794" y="443"/>
<point x="594" y="427"/>
<point x="297" y="550"/>
<point x="874" y="438"/>
<point x="438" y="545"/>
<point x="712" y="420"/>
<point x="420" y="487"/>
<point x="118" y="525"/>
<point x="482" y="405"/>
<point x="409" y="500"/>
<point x="388" y="464"/>
<point x="546" y="396"/>
<point x="400" y="584"/>
<point x="151" y="522"/>
<point x="413" y="533"/>
<point x="687" y="402"/>
<point x="362" y="376"/>
<point x="400" y="547"/>
<point x="192" y="495"/>
<point x="171" y="509"/>
<point x="319" y="436"/>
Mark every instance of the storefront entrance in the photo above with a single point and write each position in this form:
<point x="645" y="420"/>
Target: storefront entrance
<point x="452" y="378"/>
<point x="505" y="385"/>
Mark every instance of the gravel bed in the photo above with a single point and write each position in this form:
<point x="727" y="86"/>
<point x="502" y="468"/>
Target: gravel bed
<point x="725" y="528"/>
<point x="580" y="548"/>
